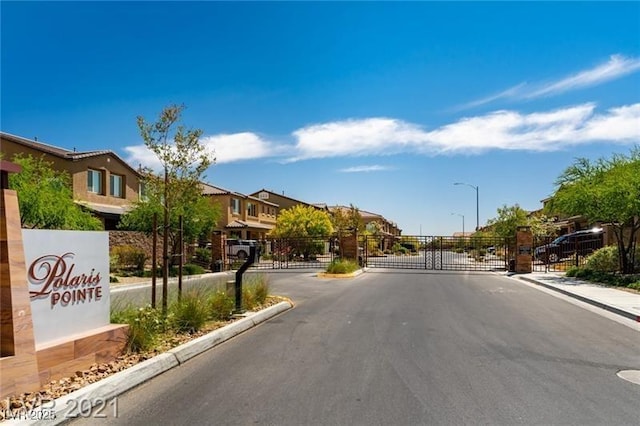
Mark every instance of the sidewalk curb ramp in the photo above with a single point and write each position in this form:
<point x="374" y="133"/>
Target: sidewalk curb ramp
<point x="104" y="391"/>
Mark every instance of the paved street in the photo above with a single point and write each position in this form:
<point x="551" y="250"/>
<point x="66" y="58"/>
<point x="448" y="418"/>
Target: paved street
<point x="404" y="348"/>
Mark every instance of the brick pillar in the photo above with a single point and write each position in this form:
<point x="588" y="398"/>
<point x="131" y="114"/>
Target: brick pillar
<point x="524" y="244"/>
<point x="350" y="247"/>
<point x="218" y="252"/>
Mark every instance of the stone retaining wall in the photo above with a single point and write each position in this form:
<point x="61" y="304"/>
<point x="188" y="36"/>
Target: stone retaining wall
<point x="145" y="243"/>
<point x="136" y="239"/>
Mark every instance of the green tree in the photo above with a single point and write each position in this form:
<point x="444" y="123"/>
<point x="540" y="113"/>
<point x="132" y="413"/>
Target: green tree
<point x="302" y="221"/>
<point x="199" y="215"/>
<point x="305" y="227"/>
<point x="508" y="220"/>
<point x="178" y="191"/>
<point x="346" y="222"/>
<point x="604" y="191"/>
<point x="46" y="198"/>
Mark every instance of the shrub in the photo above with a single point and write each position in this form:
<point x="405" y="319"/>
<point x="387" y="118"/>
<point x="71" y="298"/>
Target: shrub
<point x="188" y="269"/>
<point x="114" y="261"/>
<point x="584" y="273"/>
<point x="478" y="254"/>
<point x="604" y="260"/>
<point x="129" y="257"/>
<point x="248" y="298"/>
<point x="145" y="325"/>
<point x="398" y="249"/>
<point x="411" y="247"/>
<point x="221" y="306"/>
<point x="203" y="255"/>
<point x="254" y="291"/>
<point x="189" y="313"/>
<point x="342" y="266"/>
<point x="191" y="269"/>
<point x="113" y="279"/>
<point x="236" y="264"/>
<point x="259" y="286"/>
<point x="572" y="271"/>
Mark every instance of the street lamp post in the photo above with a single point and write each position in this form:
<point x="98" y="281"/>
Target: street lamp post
<point x="477" y="202"/>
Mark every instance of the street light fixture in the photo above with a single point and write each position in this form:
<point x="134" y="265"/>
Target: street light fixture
<point x="477" y="202"/>
<point x="462" y="216"/>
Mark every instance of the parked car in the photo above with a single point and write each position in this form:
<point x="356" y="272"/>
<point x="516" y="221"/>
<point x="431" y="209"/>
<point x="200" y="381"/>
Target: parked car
<point x="581" y="242"/>
<point x="239" y="249"/>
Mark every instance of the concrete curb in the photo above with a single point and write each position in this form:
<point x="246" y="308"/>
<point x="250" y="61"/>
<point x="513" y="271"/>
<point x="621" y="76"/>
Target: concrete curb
<point x="101" y="394"/>
<point x="350" y="275"/>
<point x="606" y="307"/>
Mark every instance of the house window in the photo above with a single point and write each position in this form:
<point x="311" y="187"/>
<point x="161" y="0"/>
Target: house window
<point x="252" y="210"/>
<point x="94" y="181"/>
<point x="116" y="186"/>
<point x="142" y="191"/>
<point x="235" y="206"/>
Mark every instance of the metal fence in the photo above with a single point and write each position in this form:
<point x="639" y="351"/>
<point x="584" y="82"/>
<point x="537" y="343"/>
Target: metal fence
<point x="297" y="253"/>
<point x="436" y="253"/>
<point x="422" y="252"/>
<point x="557" y="254"/>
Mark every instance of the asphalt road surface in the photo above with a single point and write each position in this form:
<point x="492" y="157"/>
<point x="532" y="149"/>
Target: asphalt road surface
<point x="404" y="348"/>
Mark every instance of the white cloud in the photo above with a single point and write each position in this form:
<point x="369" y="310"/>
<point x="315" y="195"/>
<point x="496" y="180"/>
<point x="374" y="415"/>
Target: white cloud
<point x="140" y="155"/>
<point x="509" y="93"/>
<point x="238" y="147"/>
<point x="621" y="125"/>
<point x="618" y="66"/>
<point x="226" y="148"/>
<point x="371" y="136"/>
<point x="506" y="130"/>
<point x="499" y="130"/>
<point x="365" y="169"/>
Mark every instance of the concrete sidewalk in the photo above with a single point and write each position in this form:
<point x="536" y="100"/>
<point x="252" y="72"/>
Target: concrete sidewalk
<point x="620" y="302"/>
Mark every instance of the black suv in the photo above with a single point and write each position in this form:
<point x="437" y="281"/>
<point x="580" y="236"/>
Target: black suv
<point x="581" y="242"/>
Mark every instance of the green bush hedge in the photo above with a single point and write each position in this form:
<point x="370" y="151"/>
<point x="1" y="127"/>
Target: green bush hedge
<point x="127" y="257"/>
<point x="606" y="278"/>
<point x="604" y="260"/>
<point x="342" y="266"/>
<point x="203" y="255"/>
<point x="148" y="327"/>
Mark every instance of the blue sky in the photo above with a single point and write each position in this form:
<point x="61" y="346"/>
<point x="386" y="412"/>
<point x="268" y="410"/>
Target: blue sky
<point x="382" y="105"/>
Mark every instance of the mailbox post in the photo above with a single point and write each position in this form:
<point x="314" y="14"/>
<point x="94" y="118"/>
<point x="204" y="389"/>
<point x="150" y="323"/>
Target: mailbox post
<point x="238" y="286"/>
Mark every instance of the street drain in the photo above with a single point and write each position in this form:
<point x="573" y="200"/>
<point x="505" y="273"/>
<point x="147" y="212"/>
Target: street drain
<point x="632" y="376"/>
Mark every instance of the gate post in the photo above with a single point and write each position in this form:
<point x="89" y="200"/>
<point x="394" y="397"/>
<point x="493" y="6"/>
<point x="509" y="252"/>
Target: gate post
<point x="350" y="247"/>
<point x="524" y="242"/>
<point x="218" y="252"/>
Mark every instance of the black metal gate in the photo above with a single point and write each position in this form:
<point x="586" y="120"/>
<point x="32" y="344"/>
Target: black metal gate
<point x="296" y="253"/>
<point x="436" y="253"/>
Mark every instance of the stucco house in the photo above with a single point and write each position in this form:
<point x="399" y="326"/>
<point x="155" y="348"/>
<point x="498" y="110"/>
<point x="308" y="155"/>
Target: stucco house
<point x="243" y="216"/>
<point x="285" y="202"/>
<point x="102" y="182"/>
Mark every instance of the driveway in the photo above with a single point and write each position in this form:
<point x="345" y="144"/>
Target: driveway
<point x="404" y="348"/>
